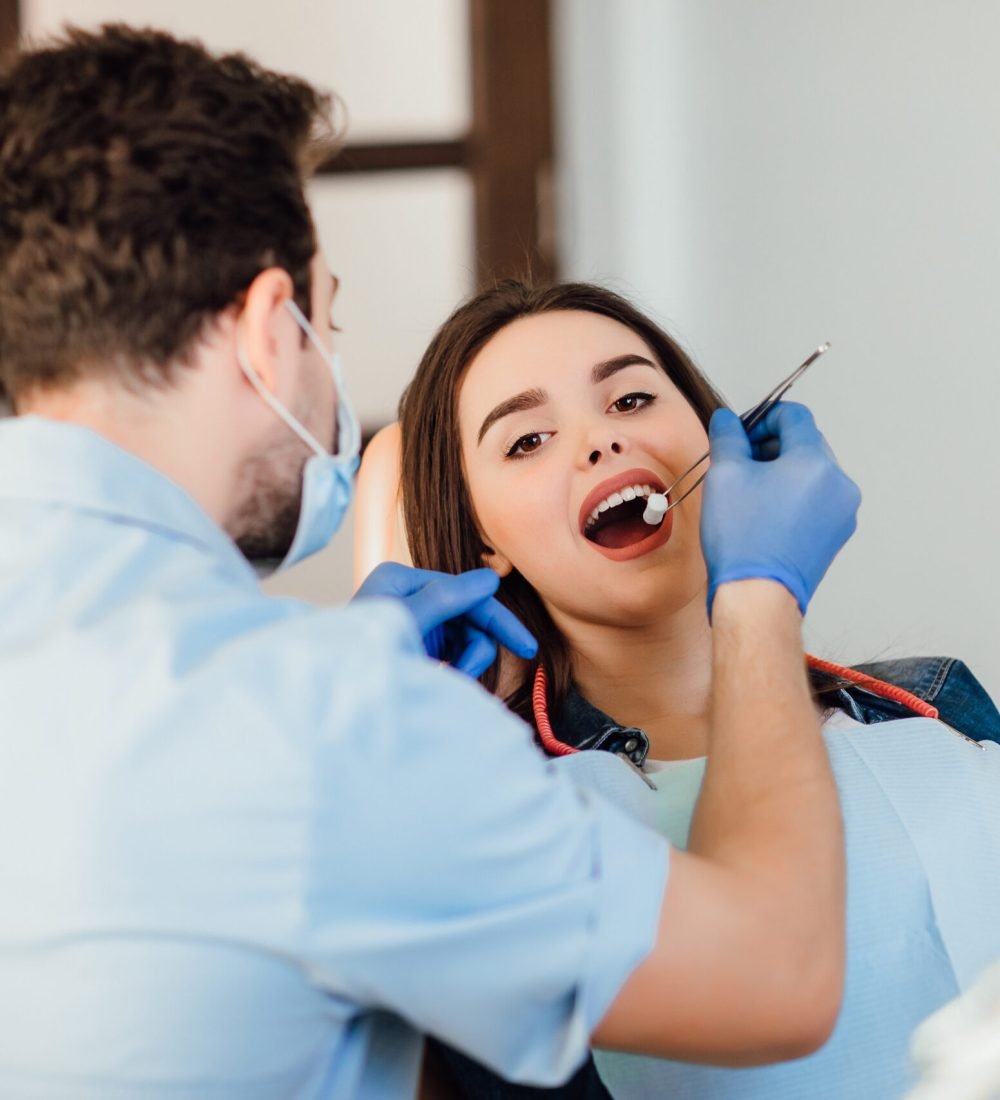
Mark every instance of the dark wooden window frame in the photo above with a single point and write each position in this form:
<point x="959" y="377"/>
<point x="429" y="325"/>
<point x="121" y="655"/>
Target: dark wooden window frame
<point x="10" y="25"/>
<point x="508" y="151"/>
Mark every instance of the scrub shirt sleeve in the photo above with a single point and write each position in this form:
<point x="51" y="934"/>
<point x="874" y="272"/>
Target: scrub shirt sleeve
<point x="459" y="880"/>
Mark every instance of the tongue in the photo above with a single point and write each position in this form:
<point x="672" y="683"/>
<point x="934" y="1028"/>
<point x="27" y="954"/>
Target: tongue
<point x="622" y="532"/>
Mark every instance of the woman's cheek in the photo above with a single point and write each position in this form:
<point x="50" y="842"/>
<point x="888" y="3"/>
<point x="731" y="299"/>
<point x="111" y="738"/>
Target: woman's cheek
<point x="526" y="524"/>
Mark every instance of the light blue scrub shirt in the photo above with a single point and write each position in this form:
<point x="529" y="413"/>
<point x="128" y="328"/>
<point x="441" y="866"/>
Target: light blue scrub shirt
<point x="246" y="848"/>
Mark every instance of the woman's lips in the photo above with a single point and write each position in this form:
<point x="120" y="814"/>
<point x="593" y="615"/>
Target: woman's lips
<point x="625" y="539"/>
<point x="636" y="476"/>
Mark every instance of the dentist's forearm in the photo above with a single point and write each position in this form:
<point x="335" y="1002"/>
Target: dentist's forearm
<point x="769" y="811"/>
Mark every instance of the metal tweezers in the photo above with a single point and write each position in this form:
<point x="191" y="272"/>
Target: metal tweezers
<point x="750" y="418"/>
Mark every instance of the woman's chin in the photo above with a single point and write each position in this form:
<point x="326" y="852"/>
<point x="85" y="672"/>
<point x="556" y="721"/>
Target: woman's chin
<point x="648" y="603"/>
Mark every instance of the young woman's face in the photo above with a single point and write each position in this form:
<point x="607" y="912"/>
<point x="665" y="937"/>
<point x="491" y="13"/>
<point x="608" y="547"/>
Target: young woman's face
<point x="558" y="412"/>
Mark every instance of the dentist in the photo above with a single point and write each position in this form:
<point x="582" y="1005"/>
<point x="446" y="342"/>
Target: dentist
<point x="246" y="848"/>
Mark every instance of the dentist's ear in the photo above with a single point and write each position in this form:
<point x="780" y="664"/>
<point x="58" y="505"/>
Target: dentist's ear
<point x="495" y="561"/>
<point x="263" y="325"/>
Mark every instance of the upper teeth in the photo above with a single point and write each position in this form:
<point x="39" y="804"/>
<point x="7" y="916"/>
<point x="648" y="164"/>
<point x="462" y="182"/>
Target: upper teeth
<point x="630" y="492"/>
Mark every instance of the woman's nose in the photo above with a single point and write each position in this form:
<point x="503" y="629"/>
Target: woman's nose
<point x="611" y="447"/>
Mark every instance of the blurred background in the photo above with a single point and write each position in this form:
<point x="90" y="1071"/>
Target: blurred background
<point x="761" y="177"/>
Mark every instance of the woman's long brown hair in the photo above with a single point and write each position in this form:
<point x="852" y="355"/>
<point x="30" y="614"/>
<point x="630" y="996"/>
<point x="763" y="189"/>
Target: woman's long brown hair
<point x="439" y="516"/>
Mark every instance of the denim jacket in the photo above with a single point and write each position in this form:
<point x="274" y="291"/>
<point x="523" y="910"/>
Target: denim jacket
<point x="944" y="682"/>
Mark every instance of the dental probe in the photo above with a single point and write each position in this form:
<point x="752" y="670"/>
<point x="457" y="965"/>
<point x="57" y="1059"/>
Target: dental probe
<point x="656" y="504"/>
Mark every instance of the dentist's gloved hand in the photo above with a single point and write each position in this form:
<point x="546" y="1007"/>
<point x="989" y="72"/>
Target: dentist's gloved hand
<point x="783" y="517"/>
<point x="457" y="616"/>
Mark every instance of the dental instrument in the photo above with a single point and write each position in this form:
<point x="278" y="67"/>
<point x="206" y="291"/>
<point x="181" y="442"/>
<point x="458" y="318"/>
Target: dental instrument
<point x="657" y="505"/>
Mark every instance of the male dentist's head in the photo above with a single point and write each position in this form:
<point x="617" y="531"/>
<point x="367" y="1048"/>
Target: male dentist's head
<point x="160" y="281"/>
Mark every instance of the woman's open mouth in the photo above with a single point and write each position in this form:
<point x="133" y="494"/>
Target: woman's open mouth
<point x="612" y="516"/>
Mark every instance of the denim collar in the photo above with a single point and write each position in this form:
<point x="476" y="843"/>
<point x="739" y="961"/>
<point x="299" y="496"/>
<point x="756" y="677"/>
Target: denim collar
<point x="943" y="681"/>
<point x="580" y="724"/>
<point x="583" y="726"/>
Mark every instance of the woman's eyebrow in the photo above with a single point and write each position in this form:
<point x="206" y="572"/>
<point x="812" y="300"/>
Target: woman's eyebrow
<point x="608" y="367"/>
<point x="531" y="399"/>
<point x="520" y="402"/>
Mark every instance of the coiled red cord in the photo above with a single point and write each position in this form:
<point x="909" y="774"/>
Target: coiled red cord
<point x="540" y="705"/>
<point x="876" y="687"/>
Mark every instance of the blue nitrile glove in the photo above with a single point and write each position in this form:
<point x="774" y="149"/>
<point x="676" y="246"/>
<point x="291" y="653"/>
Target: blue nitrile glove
<point x="457" y="616"/>
<point x="776" y="504"/>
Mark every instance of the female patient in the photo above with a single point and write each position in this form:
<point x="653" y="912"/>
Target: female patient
<point x="536" y="426"/>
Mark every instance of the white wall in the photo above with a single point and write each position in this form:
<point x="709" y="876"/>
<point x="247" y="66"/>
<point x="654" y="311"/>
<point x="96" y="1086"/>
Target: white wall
<point x="765" y="176"/>
<point x="401" y="69"/>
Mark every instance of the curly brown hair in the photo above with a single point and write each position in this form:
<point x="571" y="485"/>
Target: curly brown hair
<point x="144" y="183"/>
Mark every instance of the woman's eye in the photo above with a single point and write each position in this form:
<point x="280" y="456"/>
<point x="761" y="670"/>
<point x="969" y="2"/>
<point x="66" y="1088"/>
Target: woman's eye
<point x="632" y="401"/>
<point x="526" y="444"/>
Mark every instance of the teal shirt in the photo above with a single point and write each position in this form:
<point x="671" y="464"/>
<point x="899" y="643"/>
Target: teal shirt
<point x="678" y="784"/>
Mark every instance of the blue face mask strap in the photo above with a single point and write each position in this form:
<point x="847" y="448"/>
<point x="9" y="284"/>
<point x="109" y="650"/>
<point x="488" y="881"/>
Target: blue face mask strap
<point x="348" y="433"/>
<point x="276" y="406"/>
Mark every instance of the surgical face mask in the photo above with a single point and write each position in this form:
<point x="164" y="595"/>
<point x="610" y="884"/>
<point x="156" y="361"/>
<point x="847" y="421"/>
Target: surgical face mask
<point x="327" y="479"/>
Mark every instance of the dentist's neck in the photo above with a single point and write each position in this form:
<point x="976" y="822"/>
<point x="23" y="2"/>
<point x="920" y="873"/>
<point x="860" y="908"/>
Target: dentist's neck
<point x="657" y="677"/>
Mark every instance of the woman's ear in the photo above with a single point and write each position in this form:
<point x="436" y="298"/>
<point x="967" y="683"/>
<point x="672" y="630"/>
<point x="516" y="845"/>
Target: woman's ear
<point x="495" y="561"/>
